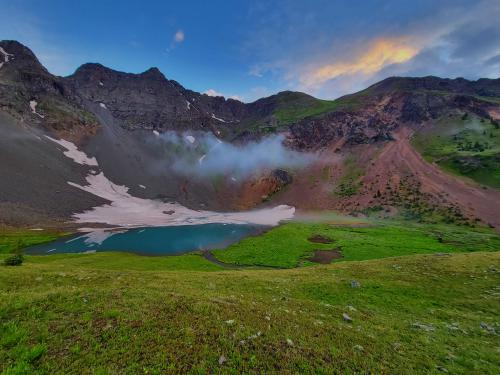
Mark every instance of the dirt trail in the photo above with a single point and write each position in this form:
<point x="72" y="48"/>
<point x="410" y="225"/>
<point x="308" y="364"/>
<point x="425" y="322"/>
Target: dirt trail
<point x="207" y="254"/>
<point x="212" y="259"/>
<point x="472" y="198"/>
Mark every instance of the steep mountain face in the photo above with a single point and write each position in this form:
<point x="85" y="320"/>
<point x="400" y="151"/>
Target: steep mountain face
<point x="30" y="93"/>
<point x="365" y="144"/>
<point x="150" y="101"/>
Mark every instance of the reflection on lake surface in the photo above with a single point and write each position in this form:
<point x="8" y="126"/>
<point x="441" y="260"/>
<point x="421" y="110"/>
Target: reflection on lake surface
<point x="171" y="240"/>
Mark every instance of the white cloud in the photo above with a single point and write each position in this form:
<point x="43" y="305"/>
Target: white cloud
<point x="214" y="93"/>
<point x="256" y="71"/>
<point x="179" y="36"/>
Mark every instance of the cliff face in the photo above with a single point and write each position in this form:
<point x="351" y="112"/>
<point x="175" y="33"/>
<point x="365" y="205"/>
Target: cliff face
<point x="150" y="101"/>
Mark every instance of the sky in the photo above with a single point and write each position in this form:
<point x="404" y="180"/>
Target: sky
<point x="251" y="49"/>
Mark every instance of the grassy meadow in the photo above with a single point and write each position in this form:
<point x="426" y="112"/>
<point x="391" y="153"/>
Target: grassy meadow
<point x="405" y="298"/>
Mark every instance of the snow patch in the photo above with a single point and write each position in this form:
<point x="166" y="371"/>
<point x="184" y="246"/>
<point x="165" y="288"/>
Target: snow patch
<point x="33" y="104"/>
<point x="125" y="210"/>
<point x="190" y="138"/>
<point x="6" y="56"/>
<point x="155" y="132"/>
<point x="102" y="105"/>
<point x="200" y="160"/>
<point x="99" y="236"/>
<point x="188" y="105"/>
<point x="100" y="83"/>
<point x="142" y="186"/>
<point x="217" y="118"/>
<point x="74" y="154"/>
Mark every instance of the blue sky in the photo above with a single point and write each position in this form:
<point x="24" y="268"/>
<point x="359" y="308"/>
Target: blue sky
<point x="250" y="49"/>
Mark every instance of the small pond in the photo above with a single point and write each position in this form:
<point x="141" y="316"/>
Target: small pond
<point x="172" y="240"/>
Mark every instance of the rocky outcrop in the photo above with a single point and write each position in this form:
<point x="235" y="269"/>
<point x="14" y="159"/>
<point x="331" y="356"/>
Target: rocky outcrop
<point x="387" y="106"/>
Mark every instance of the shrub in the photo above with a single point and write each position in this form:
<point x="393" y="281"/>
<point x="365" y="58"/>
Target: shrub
<point x="14" y="260"/>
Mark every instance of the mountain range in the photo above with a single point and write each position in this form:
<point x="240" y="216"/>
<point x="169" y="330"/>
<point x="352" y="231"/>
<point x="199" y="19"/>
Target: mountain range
<point x="426" y="148"/>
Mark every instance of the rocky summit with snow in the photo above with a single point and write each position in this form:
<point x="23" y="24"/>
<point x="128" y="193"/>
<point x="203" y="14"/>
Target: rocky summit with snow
<point x="99" y="146"/>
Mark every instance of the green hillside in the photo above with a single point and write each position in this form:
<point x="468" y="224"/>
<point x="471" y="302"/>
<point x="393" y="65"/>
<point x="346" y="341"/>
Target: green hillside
<point x="466" y="146"/>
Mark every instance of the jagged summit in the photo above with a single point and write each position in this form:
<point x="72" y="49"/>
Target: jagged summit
<point x="95" y="69"/>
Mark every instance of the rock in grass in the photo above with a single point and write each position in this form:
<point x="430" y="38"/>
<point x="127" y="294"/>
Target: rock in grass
<point x="347" y="318"/>
<point x="222" y="359"/>
<point x="229" y="322"/>
<point x="425" y="327"/>
<point x="442" y="369"/>
<point x="488" y="328"/>
<point x="289" y="342"/>
<point x="358" y="348"/>
<point x="355" y="284"/>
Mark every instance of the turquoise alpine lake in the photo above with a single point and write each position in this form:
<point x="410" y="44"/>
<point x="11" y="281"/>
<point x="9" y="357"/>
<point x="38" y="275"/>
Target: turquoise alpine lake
<point x="172" y="240"/>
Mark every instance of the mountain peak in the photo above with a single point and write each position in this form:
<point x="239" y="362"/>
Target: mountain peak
<point x="153" y="72"/>
<point x="19" y="56"/>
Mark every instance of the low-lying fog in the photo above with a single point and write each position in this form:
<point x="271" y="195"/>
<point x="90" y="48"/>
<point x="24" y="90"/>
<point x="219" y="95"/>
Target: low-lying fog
<point x="203" y="154"/>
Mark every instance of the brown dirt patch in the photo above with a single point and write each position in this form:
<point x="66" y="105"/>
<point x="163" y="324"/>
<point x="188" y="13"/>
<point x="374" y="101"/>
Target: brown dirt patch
<point x="325" y="256"/>
<point x="318" y="238"/>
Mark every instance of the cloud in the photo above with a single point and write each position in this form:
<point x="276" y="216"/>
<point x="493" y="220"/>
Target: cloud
<point x="202" y="154"/>
<point x="495" y="60"/>
<point x="179" y="36"/>
<point x="377" y="55"/>
<point x="214" y="93"/>
<point x="256" y="71"/>
<point x="329" y="59"/>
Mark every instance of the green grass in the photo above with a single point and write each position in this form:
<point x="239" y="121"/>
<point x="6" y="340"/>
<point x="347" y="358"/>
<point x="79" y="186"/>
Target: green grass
<point x="295" y="110"/>
<point x="12" y="240"/>
<point x="468" y="147"/>
<point x="128" y="261"/>
<point x="287" y="246"/>
<point x="430" y="304"/>
<point x="63" y="316"/>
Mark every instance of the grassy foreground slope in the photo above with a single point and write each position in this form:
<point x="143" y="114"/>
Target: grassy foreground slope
<point x="417" y="314"/>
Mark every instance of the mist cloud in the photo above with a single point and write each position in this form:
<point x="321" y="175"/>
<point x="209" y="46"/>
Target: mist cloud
<point x="204" y="155"/>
